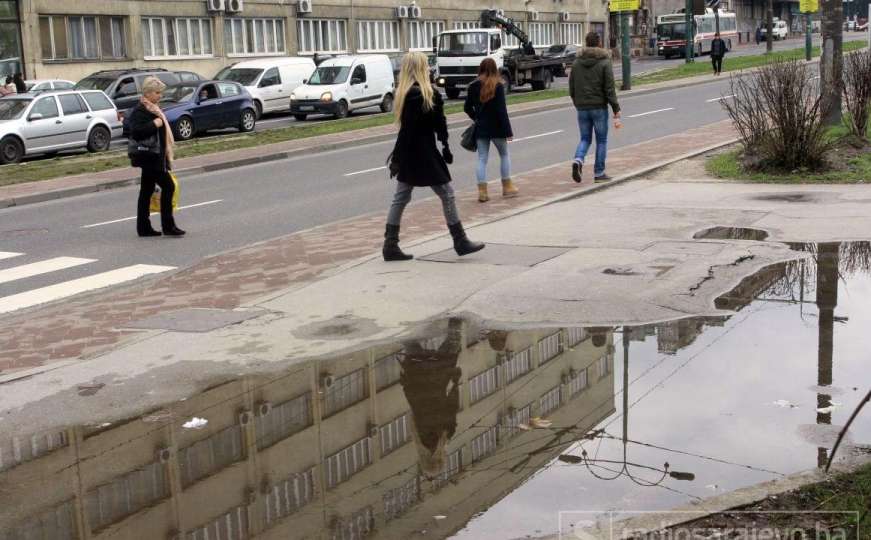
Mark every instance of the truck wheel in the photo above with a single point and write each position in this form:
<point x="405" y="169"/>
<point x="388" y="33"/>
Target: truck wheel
<point x="453" y="93"/>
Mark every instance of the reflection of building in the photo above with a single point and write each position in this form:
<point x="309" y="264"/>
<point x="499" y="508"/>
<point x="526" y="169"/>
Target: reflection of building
<point x="324" y="451"/>
<point x="10" y="39"/>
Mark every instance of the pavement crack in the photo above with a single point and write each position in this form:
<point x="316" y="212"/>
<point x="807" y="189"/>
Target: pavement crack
<point x="711" y="269"/>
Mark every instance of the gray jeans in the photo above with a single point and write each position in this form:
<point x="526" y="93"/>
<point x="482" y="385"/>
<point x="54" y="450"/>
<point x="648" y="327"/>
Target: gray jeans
<point x="403" y="195"/>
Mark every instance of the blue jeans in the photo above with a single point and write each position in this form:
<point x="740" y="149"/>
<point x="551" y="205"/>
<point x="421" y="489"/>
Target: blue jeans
<point x="484" y="154"/>
<point x="588" y="121"/>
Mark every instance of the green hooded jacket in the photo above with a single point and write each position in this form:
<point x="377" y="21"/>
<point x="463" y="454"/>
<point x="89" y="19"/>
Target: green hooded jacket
<point x="591" y="84"/>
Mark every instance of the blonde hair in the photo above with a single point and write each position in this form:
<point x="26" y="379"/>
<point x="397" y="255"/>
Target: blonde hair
<point x="152" y="84"/>
<point x="415" y="70"/>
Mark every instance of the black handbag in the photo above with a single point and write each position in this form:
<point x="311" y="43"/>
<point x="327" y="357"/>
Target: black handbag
<point x="468" y="139"/>
<point x="145" y="148"/>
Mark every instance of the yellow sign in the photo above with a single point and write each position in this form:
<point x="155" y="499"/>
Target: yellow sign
<point x="809" y="6"/>
<point x="625" y="5"/>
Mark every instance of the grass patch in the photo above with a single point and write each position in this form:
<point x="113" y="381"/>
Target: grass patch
<point x="703" y="67"/>
<point x="853" y="169"/>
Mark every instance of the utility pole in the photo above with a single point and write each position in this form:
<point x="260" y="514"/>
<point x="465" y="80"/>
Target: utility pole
<point x="832" y="60"/>
<point x="624" y="38"/>
<point x="690" y="35"/>
<point x="769" y="26"/>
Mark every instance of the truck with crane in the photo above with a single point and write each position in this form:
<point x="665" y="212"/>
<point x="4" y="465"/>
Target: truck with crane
<point x="459" y="53"/>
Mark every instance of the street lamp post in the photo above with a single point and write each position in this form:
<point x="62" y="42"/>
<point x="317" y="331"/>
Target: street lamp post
<point x="690" y="37"/>
<point x="624" y="38"/>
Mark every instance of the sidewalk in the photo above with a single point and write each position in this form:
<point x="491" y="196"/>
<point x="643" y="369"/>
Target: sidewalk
<point x="87" y="325"/>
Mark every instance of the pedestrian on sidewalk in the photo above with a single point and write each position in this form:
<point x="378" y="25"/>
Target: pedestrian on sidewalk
<point x="485" y="104"/>
<point x="718" y="51"/>
<point x="592" y="89"/>
<point x="18" y="81"/>
<point x="416" y="161"/>
<point x="759" y="34"/>
<point x="151" y="149"/>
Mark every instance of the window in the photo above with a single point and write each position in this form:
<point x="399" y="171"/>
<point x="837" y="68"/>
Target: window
<point x="63" y="85"/>
<point x="345" y="391"/>
<point x="322" y="36"/>
<point x="126" y="495"/>
<point x="577" y="383"/>
<point x="485" y="444"/>
<point x="387" y="371"/>
<point x="82" y="38"/>
<point x="508" y="41"/>
<point x="420" y="34"/>
<point x="377" y="36"/>
<point x="208" y="92"/>
<point x="253" y="37"/>
<point x="57" y="522"/>
<point x="167" y="36"/>
<point x="604" y="366"/>
<point x="517" y="365"/>
<point x="233" y="526"/>
<point x="575" y="336"/>
<point x="347" y="462"/>
<point x="549" y="348"/>
<point x="359" y="75"/>
<point x="126" y="88"/>
<point x="72" y="104"/>
<point x="270" y="78"/>
<point x="210" y="455"/>
<point x="572" y="33"/>
<point x="399" y="500"/>
<point x="285" y="419"/>
<point x="46" y="106"/>
<point x="511" y="422"/>
<point x="484" y="384"/>
<point x="550" y="401"/>
<point x="495" y="42"/>
<point x="288" y="496"/>
<point x="229" y="90"/>
<point x="394" y="434"/>
<point x="453" y="466"/>
<point x="357" y="526"/>
<point x="21" y="449"/>
<point x="541" y="33"/>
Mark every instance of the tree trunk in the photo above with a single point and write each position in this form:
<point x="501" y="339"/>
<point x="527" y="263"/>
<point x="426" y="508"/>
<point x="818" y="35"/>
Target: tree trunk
<point x="832" y="60"/>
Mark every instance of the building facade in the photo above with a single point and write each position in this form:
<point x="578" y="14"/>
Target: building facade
<point x="73" y="39"/>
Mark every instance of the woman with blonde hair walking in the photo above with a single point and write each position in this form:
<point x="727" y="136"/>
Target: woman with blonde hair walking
<point x="416" y="161"/>
<point x="151" y="148"/>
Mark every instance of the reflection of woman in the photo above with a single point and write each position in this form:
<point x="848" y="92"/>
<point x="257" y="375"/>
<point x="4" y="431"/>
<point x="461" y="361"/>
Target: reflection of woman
<point x="430" y="379"/>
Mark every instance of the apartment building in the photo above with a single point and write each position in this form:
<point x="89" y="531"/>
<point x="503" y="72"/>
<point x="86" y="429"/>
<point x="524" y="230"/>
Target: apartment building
<point x="73" y="39"/>
<point x="328" y="449"/>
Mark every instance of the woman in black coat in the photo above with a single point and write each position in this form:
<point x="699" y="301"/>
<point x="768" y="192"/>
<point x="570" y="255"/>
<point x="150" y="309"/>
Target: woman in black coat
<point x="486" y="105"/>
<point x="416" y="161"/>
<point x="150" y="148"/>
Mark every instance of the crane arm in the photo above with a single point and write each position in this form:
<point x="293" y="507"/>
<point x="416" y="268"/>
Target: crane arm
<point x="491" y="18"/>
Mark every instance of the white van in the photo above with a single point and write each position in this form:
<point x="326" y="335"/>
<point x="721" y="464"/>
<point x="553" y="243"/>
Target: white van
<point x="270" y="81"/>
<point x="344" y="84"/>
<point x="779" y="29"/>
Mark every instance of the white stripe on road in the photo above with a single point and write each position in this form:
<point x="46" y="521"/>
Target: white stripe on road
<point x="8" y="255"/>
<point x="66" y="289"/>
<point x="537" y="136"/>
<point x="650" y="112"/>
<point x="152" y="214"/>
<point x="367" y="171"/>
<point x="722" y="98"/>
<point x="41" y="267"/>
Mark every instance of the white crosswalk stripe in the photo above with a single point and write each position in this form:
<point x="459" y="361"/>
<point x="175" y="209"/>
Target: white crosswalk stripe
<point x="54" y="268"/>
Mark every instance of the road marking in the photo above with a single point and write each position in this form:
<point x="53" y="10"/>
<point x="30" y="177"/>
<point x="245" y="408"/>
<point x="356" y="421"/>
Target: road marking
<point x="723" y="98"/>
<point x="650" y="112"/>
<point x="367" y="171"/>
<point x="8" y="255"/>
<point x="537" y="136"/>
<point x="152" y="214"/>
<point x="41" y="267"/>
<point x="66" y="289"/>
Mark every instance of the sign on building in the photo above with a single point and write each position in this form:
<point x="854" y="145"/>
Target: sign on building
<point x="809" y="6"/>
<point x="624" y="5"/>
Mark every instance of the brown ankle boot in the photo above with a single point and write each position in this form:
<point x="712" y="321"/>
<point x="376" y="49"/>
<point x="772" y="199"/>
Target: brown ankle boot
<point x="509" y="190"/>
<point x="482" y="193"/>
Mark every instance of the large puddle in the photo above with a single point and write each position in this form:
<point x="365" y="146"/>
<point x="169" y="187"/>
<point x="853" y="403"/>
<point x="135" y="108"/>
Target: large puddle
<point x="474" y="433"/>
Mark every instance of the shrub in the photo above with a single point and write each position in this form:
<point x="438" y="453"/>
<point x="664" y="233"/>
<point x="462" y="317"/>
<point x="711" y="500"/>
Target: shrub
<point x="778" y="115"/>
<point x="857" y="93"/>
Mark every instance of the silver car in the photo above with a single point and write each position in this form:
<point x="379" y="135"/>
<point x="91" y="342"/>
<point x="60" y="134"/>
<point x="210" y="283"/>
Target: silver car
<point x="47" y="122"/>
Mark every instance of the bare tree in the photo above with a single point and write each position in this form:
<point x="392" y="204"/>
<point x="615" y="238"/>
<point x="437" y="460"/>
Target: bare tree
<point x="832" y="59"/>
<point x="857" y="93"/>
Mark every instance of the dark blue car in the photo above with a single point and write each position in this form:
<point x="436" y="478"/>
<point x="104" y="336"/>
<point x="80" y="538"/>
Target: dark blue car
<point x="195" y="107"/>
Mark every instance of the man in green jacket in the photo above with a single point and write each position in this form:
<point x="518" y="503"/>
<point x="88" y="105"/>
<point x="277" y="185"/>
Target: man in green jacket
<point x="592" y="88"/>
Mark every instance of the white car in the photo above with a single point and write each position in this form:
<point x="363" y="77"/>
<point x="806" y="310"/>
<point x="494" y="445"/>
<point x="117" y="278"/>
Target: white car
<point x="345" y="84"/>
<point x="54" y="120"/>
<point x="779" y="30"/>
<point x="270" y="81"/>
<point x="49" y="84"/>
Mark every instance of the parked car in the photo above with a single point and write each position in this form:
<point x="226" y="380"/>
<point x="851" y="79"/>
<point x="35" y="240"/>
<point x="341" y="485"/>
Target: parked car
<point x="345" y="84"/>
<point x="779" y="30"/>
<point x="565" y="52"/>
<point x="54" y="120"/>
<point x="193" y="108"/>
<point x="270" y="80"/>
<point x="49" y="84"/>
<point x="124" y="86"/>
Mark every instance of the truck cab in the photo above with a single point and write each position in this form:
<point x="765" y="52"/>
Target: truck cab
<point x="460" y="52"/>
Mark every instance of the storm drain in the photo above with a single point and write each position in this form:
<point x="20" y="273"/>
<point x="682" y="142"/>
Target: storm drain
<point x="501" y="255"/>
<point x="731" y="233"/>
<point x="195" y="319"/>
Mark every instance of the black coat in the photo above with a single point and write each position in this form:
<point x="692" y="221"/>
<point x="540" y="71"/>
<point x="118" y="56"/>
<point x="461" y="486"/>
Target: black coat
<point x="718" y="47"/>
<point x="492" y="117"/>
<point x="420" y="163"/>
<point x="142" y="129"/>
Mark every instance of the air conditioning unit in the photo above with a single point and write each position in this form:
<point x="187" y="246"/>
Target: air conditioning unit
<point x="245" y="418"/>
<point x="402" y="12"/>
<point x="415" y="12"/>
<point x="373" y="430"/>
<point x="235" y="6"/>
<point x="565" y="378"/>
<point x="264" y="408"/>
<point x="327" y="380"/>
<point x="163" y="455"/>
<point x="565" y="16"/>
<point x="533" y="15"/>
<point x="215" y="5"/>
<point x="304" y="6"/>
<point x="573" y="373"/>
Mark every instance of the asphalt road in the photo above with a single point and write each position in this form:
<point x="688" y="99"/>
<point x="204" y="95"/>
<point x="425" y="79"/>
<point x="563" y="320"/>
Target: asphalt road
<point x="237" y="207"/>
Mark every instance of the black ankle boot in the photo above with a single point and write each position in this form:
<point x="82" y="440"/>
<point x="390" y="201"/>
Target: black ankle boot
<point x="462" y="244"/>
<point x="391" y="251"/>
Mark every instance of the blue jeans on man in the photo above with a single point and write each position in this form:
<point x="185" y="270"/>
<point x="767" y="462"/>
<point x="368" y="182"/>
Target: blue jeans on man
<point x="589" y="121"/>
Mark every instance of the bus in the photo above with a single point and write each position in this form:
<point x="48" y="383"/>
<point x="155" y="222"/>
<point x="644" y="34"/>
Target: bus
<point x="671" y="35"/>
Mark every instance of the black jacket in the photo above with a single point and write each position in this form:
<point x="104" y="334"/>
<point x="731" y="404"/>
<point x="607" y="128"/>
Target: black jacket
<point x="420" y="163"/>
<point x="718" y="47"/>
<point x="591" y="82"/>
<point x="492" y="117"/>
<point x="145" y="134"/>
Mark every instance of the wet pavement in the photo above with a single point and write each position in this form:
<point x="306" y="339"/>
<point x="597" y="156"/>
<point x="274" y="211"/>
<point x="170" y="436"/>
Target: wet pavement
<point x="466" y="432"/>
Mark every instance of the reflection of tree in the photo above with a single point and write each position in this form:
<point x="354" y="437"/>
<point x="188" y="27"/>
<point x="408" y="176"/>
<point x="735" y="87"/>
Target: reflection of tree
<point x="827" y="259"/>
